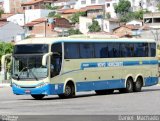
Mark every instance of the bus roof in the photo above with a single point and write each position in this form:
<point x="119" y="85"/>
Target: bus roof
<point x="68" y="39"/>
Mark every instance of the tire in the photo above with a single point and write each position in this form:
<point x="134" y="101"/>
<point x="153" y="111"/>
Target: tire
<point x="104" y="92"/>
<point x="138" y="85"/>
<point x="129" y="86"/>
<point x="38" y="97"/>
<point x="69" y="91"/>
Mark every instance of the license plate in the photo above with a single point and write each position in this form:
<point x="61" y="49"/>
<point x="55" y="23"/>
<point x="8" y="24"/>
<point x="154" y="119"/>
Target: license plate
<point x="27" y="91"/>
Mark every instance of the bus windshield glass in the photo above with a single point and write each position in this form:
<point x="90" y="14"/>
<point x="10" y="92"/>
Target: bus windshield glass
<point x="29" y="67"/>
<point x="31" y="48"/>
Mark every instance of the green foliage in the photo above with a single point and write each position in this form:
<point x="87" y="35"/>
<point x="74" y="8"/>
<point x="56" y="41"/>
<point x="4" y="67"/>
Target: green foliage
<point x="75" y="17"/>
<point x="54" y="15"/>
<point x="138" y="15"/>
<point x="158" y="6"/>
<point x="108" y="15"/>
<point x="50" y="7"/>
<point x="74" y="31"/>
<point x="122" y="7"/>
<point x="5" y="48"/>
<point x="1" y="12"/>
<point x="94" y="27"/>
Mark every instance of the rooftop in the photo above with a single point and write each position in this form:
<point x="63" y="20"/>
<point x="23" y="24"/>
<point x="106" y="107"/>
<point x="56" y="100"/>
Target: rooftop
<point x="31" y="2"/>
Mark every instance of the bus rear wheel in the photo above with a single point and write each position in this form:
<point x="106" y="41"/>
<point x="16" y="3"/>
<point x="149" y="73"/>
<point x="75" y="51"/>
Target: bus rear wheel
<point x="38" y="97"/>
<point x="104" y="92"/>
<point x="138" y="85"/>
<point x="129" y="86"/>
<point x="69" y="91"/>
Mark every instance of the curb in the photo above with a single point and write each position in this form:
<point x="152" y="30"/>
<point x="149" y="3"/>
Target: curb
<point x="4" y="85"/>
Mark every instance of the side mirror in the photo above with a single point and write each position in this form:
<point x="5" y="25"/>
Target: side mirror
<point x="44" y="58"/>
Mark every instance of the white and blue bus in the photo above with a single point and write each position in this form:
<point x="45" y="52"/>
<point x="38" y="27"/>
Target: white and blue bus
<point x="64" y="66"/>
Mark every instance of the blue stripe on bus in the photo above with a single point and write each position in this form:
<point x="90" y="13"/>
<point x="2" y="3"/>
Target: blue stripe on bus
<point x="118" y="63"/>
<point x="53" y="89"/>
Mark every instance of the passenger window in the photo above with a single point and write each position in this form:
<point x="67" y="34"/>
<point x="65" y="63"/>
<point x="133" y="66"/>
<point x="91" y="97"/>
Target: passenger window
<point x="153" y="49"/>
<point x="101" y="50"/>
<point x="113" y="49"/>
<point x="71" y="50"/>
<point x="86" y="50"/>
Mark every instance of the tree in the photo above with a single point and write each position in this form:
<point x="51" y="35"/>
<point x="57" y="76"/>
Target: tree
<point x="123" y="7"/>
<point x="95" y="27"/>
<point x="54" y="15"/>
<point x="158" y="6"/>
<point x="74" y="31"/>
<point x="1" y="12"/>
<point x="5" y="48"/>
<point x="75" y="17"/>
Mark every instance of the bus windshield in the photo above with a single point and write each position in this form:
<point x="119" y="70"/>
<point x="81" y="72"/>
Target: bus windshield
<point x="29" y="67"/>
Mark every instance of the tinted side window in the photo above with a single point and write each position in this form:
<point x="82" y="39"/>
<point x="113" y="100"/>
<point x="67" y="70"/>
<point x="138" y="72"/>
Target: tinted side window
<point x="101" y="50"/>
<point x="141" y="50"/>
<point x="123" y="50"/>
<point x="57" y="47"/>
<point x="86" y="50"/>
<point x="71" y="50"/>
<point x="113" y="49"/>
<point x="153" y="49"/>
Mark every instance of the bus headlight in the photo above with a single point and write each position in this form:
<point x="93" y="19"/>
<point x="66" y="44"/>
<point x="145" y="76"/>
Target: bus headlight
<point x="16" y="85"/>
<point x="41" y="85"/>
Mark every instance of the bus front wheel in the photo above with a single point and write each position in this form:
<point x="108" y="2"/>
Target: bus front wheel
<point x="69" y="91"/>
<point x="38" y="97"/>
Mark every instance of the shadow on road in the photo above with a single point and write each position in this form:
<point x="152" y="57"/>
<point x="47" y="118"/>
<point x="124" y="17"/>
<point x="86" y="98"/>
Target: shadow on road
<point x="91" y="95"/>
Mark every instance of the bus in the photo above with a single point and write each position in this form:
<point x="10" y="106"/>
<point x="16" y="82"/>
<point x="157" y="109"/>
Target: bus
<point x="64" y="66"/>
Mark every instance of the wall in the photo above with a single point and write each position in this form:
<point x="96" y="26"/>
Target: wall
<point x="33" y="14"/>
<point x="78" y="4"/>
<point x="17" y="19"/>
<point x="9" y="31"/>
<point x="6" y="6"/>
<point x="83" y="24"/>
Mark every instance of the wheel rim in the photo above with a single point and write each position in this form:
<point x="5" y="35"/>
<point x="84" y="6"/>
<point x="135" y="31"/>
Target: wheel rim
<point x="68" y="90"/>
<point x="129" y="85"/>
<point x="138" y="84"/>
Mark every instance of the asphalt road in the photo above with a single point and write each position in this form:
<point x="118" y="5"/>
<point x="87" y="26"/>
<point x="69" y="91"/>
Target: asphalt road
<point x="145" y="102"/>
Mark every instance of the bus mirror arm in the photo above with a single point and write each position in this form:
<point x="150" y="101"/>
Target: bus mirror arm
<point x="44" y="59"/>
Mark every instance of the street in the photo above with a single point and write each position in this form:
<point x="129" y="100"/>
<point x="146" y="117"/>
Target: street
<point x="145" y="102"/>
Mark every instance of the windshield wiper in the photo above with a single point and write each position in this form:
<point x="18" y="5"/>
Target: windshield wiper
<point x="18" y="77"/>
<point x="33" y="74"/>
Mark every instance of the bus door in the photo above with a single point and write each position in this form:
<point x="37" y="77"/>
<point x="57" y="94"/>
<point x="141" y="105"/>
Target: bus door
<point x="56" y="59"/>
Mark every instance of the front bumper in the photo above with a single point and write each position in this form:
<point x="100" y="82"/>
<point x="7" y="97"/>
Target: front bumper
<point x="49" y="89"/>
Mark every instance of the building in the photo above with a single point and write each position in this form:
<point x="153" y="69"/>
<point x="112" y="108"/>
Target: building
<point x="107" y="24"/>
<point x="135" y="23"/>
<point x="9" y="31"/>
<point x="13" y="6"/>
<point x="42" y="27"/>
<point x="36" y="4"/>
<point x="34" y="14"/>
<point x="152" y="19"/>
<point x="17" y="19"/>
<point x="64" y="4"/>
<point x="84" y="3"/>
<point x="130" y="30"/>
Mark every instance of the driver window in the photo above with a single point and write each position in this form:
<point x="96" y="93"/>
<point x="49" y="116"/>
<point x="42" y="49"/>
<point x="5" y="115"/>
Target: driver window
<point x="56" y="59"/>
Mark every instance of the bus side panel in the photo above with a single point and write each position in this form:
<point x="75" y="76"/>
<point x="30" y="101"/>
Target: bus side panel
<point x="150" y="81"/>
<point x="100" y="85"/>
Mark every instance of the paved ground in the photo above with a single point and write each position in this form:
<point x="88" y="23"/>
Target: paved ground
<point x="145" y="102"/>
